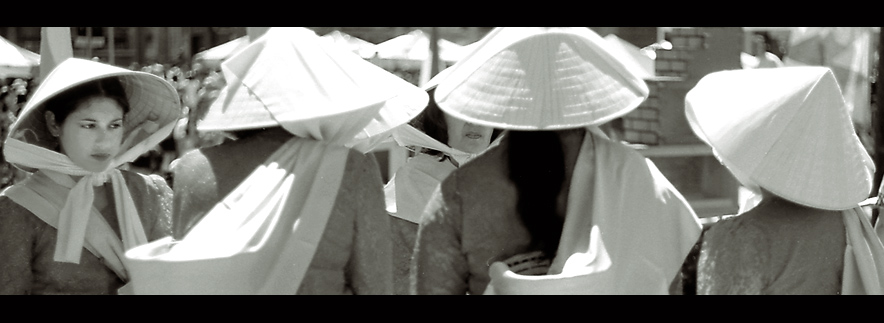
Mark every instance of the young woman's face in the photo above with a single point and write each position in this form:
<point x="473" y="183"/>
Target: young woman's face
<point x="467" y="137"/>
<point x="92" y="135"/>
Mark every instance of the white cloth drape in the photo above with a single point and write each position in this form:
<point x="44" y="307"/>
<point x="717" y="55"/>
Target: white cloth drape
<point x="260" y="239"/>
<point x="627" y="229"/>
<point x="863" y="256"/>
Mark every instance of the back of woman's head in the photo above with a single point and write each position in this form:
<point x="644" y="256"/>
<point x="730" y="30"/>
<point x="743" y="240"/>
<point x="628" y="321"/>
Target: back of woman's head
<point x="537" y="168"/>
<point x="66" y="102"/>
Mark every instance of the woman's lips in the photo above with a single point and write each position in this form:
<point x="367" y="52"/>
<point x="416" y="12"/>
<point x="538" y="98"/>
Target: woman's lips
<point x="101" y="157"/>
<point x="473" y="135"/>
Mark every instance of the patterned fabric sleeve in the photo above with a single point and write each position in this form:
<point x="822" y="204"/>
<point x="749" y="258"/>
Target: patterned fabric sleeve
<point x="162" y="226"/>
<point x="731" y="261"/>
<point x="153" y="198"/>
<point x="195" y="191"/>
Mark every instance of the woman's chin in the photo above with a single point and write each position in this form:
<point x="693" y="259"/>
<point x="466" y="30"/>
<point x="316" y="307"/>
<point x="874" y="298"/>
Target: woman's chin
<point x="474" y="149"/>
<point x="96" y="167"/>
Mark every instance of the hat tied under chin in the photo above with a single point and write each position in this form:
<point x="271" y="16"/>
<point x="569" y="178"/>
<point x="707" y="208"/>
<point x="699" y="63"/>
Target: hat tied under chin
<point x="74" y="216"/>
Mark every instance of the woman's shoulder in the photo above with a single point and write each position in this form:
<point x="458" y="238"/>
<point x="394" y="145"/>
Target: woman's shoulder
<point x="15" y="218"/>
<point x="197" y="171"/>
<point x="150" y="182"/>
<point x="9" y="209"/>
<point x="189" y="161"/>
<point x="492" y="161"/>
<point x="735" y="226"/>
<point x="361" y="191"/>
<point x="487" y="173"/>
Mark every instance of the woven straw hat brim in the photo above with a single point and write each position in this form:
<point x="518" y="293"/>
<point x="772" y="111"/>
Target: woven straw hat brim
<point x="405" y="134"/>
<point x="787" y="130"/>
<point x="536" y="78"/>
<point x="434" y="81"/>
<point x="150" y="97"/>
<point x="289" y="77"/>
<point x="249" y="112"/>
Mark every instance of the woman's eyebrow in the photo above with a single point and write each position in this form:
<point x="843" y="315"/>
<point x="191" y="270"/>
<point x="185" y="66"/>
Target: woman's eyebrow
<point x="93" y="120"/>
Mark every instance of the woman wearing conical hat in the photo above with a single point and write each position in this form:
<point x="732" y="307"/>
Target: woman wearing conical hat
<point x="440" y="144"/>
<point x="786" y="135"/>
<point x="556" y="207"/>
<point x="293" y="205"/>
<point x="65" y="229"/>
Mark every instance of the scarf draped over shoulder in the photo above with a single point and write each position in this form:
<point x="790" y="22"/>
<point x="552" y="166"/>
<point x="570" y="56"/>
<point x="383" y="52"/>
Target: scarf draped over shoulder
<point x="259" y="239"/>
<point x="627" y="229"/>
<point x="53" y="196"/>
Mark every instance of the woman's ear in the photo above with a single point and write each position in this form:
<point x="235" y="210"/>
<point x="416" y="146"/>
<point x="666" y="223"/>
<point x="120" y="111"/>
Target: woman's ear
<point x="54" y="128"/>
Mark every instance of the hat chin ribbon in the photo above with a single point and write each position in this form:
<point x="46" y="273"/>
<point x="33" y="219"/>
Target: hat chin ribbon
<point x="74" y="216"/>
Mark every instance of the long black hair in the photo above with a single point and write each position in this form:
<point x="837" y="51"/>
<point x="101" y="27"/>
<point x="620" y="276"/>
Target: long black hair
<point x="537" y="168"/>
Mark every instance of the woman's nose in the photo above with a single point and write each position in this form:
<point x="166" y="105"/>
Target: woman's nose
<point x="473" y="126"/>
<point x="105" y="138"/>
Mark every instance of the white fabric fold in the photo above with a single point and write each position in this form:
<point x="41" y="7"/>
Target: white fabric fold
<point x="863" y="256"/>
<point x="411" y="186"/>
<point x="260" y="239"/>
<point x="74" y="215"/>
<point x="407" y="136"/>
<point x="627" y="229"/>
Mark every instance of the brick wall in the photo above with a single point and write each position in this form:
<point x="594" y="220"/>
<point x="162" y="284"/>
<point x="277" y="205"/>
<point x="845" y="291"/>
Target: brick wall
<point x="675" y="62"/>
<point x="642" y="125"/>
<point x="695" y="52"/>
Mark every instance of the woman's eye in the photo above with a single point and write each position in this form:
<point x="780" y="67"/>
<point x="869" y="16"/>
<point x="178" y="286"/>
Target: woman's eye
<point x="88" y="126"/>
<point x="116" y="125"/>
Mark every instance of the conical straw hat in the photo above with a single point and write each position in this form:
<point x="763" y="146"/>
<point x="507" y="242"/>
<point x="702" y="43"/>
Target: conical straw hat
<point x="786" y="130"/>
<point x="289" y="77"/>
<point x="150" y="97"/>
<point x="540" y="78"/>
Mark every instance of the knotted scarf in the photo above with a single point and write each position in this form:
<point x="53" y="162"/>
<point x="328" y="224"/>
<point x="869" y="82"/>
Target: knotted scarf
<point x="71" y="212"/>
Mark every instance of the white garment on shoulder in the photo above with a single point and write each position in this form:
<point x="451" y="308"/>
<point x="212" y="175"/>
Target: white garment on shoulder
<point x="73" y="217"/>
<point x="863" y="256"/>
<point x="627" y="229"/>
<point x="413" y="184"/>
<point x="260" y="239"/>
